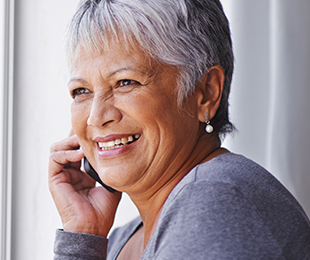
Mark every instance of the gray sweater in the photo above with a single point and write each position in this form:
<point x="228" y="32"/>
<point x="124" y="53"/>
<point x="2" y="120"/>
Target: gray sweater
<point x="226" y="208"/>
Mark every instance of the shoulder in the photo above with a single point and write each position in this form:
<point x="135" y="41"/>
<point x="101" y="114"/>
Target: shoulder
<point x="237" y="175"/>
<point x="230" y="206"/>
<point x="227" y="176"/>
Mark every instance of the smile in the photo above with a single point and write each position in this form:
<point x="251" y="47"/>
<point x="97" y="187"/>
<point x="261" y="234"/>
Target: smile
<point x="117" y="143"/>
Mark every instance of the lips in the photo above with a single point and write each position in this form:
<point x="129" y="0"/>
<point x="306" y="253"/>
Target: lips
<point x="119" y="142"/>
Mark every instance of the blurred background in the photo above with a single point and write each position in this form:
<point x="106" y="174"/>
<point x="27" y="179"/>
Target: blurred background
<point x="269" y="106"/>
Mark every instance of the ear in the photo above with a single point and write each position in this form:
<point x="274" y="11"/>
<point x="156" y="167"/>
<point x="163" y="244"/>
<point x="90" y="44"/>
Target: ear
<point x="209" y="92"/>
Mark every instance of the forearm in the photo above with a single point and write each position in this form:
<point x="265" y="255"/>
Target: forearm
<point x="77" y="246"/>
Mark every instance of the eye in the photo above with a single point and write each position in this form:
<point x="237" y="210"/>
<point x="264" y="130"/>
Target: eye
<point x="127" y="83"/>
<point x="79" y="91"/>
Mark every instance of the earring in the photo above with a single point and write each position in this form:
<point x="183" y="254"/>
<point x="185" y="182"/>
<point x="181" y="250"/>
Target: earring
<point x="209" y="128"/>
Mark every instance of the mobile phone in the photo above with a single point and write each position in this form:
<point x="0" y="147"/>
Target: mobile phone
<point x="91" y="172"/>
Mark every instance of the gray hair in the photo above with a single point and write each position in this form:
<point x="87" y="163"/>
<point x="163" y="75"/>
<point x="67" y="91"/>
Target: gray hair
<point x="192" y="35"/>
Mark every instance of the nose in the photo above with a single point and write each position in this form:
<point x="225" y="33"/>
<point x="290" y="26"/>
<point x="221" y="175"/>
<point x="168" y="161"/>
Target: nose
<point x="103" y="111"/>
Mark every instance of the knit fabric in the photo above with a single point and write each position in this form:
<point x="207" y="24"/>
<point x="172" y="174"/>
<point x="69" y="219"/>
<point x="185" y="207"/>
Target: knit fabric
<point x="226" y="208"/>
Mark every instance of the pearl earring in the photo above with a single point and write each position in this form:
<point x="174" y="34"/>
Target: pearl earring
<point x="209" y="128"/>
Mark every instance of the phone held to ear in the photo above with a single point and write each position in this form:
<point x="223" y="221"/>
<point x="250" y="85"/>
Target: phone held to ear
<point x="91" y="172"/>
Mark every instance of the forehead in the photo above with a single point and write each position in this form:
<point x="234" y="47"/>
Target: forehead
<point x="111" y="59"/>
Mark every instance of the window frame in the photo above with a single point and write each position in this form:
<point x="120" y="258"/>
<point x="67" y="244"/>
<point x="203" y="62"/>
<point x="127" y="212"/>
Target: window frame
<point x="6" y="124"/>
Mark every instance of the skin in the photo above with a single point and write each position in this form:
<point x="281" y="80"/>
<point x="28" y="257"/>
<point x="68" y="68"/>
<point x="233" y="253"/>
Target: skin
<point x="119" y="93"/>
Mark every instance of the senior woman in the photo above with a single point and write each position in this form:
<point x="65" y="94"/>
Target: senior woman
<point x="150" y="82"/>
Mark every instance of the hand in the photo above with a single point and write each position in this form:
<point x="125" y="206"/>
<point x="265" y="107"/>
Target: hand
<point x="83" y="207"/>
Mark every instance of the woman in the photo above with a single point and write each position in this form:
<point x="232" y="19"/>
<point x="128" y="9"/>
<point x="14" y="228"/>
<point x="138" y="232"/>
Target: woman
<point x="150" y="82"/>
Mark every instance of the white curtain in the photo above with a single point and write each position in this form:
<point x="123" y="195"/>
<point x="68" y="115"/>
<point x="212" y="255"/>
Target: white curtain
<point x="271" y="88"/>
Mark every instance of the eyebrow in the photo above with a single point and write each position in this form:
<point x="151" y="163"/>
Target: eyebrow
<point x="128" y="69"/>
<point x="78" y="80"/>
<point x="110" y="75"/>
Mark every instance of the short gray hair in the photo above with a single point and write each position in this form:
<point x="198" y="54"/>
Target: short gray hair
<point x="192" y="35"/>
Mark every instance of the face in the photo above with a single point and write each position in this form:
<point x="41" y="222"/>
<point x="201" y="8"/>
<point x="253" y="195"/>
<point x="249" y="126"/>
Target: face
<point x="125" y="114"/>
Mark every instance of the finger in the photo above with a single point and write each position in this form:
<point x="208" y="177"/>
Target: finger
<point x="58" y="160"/>
<point x="70" y="143"/>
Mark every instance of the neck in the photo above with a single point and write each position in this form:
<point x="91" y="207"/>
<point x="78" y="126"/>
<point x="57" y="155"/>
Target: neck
<point x="151" y="200"/>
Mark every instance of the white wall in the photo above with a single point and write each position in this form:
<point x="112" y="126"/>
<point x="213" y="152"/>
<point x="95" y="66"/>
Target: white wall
<point x="42" y="117"/>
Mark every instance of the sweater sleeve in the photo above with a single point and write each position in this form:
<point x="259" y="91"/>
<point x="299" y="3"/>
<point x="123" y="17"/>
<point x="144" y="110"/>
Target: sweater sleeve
<point x="77" y="246"/>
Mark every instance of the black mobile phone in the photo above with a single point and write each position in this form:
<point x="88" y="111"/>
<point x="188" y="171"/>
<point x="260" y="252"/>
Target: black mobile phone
<point x="91" y="172"/>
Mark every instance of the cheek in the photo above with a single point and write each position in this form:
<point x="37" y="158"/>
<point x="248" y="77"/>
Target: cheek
<point x="148" y="106"/>
<point x="79" y="116"/>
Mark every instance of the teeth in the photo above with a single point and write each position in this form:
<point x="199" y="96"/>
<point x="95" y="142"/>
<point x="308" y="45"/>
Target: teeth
<point x="118" y="142"/>
<point x="124" y="140"/>
<point x="111" y="143"/>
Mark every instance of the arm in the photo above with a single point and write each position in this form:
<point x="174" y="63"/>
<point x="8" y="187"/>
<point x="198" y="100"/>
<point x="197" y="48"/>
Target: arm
<point x="77" y="246"/>
<point x="83" y="207"/>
